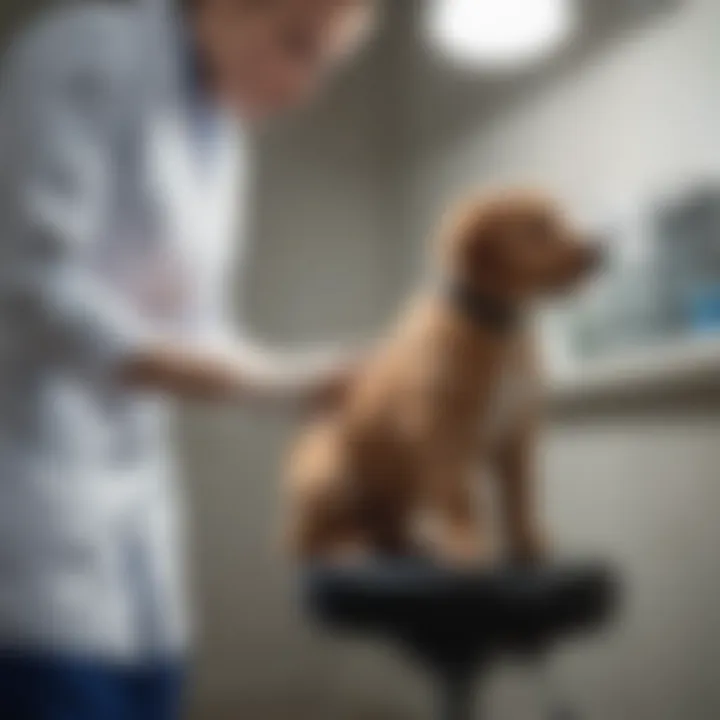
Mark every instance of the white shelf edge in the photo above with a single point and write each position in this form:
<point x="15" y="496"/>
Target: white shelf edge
<point x="686" y="362"/>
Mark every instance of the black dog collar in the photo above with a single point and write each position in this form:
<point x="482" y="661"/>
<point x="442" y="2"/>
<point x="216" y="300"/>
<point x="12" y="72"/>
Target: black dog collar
<point x="482" y="309"/>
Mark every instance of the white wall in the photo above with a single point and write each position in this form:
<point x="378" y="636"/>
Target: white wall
<point x="638" y="113"/>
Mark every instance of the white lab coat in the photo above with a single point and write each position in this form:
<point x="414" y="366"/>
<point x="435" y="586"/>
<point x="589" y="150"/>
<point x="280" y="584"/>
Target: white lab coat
<point x="113" y="228"/>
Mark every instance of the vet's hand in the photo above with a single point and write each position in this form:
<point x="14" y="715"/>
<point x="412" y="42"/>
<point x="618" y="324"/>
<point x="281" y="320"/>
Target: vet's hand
<point x="332" y="389"/>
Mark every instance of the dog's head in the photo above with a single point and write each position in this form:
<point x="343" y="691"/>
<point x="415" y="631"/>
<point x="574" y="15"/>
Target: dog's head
<point x="517" y="245"/>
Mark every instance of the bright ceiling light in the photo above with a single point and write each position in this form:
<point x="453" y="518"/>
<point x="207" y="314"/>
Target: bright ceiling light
<point x="500" y="33"/>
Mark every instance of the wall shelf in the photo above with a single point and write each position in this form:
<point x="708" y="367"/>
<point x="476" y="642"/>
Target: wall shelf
<point x="680" y="366"/>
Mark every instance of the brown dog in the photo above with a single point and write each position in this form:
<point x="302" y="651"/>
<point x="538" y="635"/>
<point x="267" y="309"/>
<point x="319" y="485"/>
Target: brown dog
<point x="451" y="393"/>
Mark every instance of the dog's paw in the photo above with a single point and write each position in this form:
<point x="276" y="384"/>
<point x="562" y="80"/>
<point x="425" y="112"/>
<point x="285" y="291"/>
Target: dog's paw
<point x="464" y="551"/>
<point x="530" y="548"/>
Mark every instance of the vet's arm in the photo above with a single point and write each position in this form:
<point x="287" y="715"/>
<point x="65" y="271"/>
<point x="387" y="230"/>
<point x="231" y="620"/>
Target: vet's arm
<point x="237" y="375"/>
<point x="222" y="360"/>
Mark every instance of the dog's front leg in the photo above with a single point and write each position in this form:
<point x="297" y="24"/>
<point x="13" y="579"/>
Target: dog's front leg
<point x="515" y="468"/>
<point x="458" y="535"/>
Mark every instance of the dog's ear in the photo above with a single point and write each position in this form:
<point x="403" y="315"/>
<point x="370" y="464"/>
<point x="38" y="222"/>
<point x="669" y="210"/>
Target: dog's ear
<point x="457" y="236"/>
<point x="482" y="254"/>
<point x="471" y="245"/>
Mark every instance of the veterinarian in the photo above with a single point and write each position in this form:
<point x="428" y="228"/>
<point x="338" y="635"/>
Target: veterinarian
<point x="123" y="167"/>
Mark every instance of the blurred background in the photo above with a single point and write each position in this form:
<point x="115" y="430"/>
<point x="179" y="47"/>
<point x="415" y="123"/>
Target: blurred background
<point x="617" y="112"/>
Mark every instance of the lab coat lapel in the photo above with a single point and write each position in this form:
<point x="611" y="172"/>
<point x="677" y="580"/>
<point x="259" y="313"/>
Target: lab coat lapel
<point x="191" y="191"/>
<point x="194" y="192"/>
